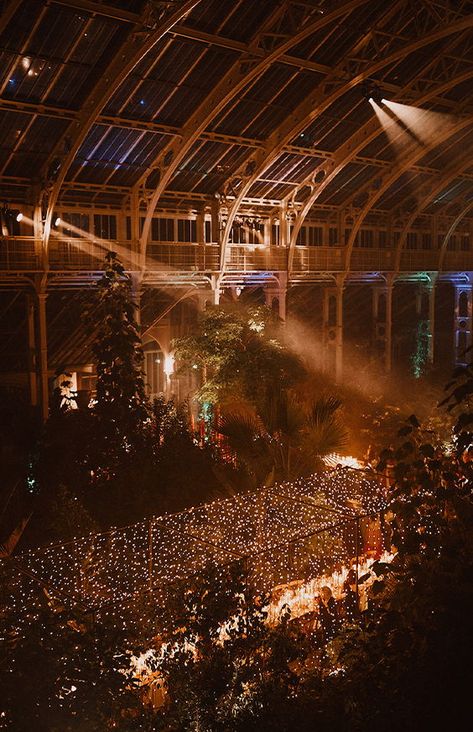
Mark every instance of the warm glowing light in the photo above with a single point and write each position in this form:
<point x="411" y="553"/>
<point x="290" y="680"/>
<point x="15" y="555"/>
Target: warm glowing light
<point x="395" y="130"/>
<point x="168" y="364"/>
<point x="345" y="461"/>
<point x="94" y="246"/>
<point x="57" y="221"/>
<point x="422" y="124"/>
<point x="24" y="218"/>
<point x="299" y="597"/>
<point x="289" y="532"/>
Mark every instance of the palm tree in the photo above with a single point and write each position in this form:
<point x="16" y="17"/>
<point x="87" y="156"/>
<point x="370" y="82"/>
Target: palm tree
<point x="286" y="442"/>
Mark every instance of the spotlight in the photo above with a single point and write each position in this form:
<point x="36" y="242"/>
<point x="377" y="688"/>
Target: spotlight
<point x="57" y="221"/>
<point x="371" y="92"/>
<point x="9" y="216"/>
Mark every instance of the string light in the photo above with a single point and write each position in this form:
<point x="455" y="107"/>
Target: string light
<point x="292" y="531"/>
<point x="299" y="597"/>
<point x="291" y="539"/>
<point x="344" y="461"/>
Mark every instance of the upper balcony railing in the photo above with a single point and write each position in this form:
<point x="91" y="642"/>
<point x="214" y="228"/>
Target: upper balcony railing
<point x="23" y="254"/>
<point x="19" y="254"/>
<point x="255" y="258"/>
<point x="457" y="261"/>
<point x="318" y="259"/>
<point x="74" y="254"/>
<point x="183" y="257"/>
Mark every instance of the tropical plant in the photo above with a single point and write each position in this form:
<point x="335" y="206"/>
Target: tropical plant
<point x="59" y="673"/>
<point x="286" y="441"/>
<point x="409" y="667"/>
<point x="221" y="663"/>
<point x="239" y="351"/>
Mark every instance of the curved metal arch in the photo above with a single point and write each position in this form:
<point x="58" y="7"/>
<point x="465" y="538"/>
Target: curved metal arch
<point x="232" y="84"/>
<point x="132" y="52"/>
<point x="348" y="151"/>
<point x="314" y="105"/>
<point x="392" y="177"/>
<point x="345" y="154"/>
<point x="451" y="208"/>
<point x="429" y="195"/>
<point x="420" y="75"/>
<point x="448" y="212"/>
<point x="449" y="233"/>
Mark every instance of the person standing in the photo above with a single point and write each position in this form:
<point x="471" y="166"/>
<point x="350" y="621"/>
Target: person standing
<point x="351" y="605"/>
<point x="328" y="620"/>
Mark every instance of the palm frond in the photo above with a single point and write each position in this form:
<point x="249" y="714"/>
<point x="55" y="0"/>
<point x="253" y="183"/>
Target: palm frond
<point x="325" y="432"/>
<point x="247" y="437"/>
<point x="241" y="424"/>
<point x="323" y="410"/>
<point x="324" y="438"/>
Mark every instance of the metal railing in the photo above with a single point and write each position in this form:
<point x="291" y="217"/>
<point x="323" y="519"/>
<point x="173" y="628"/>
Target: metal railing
<point x="19" y="253"/>
<point x="318" y="259"/>
<point x="457" y="261"/>
<point x="79" y="254"/>
<point x="255" y="258"/>
<point x="418" y="260"/>
<point x="83" y="255"/>
<point x="372" y="260"/>
<point x="179" y="256"/>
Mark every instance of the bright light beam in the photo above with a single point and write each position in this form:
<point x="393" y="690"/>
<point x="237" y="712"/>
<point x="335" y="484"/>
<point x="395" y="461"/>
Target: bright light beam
<point x="99" y="246"/>
<point x="396" y="132"/>
<point x="423" y="123"/>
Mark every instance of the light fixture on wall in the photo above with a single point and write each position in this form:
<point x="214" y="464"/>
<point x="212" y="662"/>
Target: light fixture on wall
<point x="168" y="364"/>
<point x="371" y="92"/>
<point x="9" y="216"/>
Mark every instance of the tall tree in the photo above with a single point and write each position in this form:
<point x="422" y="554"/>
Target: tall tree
<point x="121" y="408"/>
<point x="239" y="351"/>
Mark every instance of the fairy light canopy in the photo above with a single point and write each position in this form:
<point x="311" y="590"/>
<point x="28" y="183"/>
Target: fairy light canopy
<point x="288" y="531"/>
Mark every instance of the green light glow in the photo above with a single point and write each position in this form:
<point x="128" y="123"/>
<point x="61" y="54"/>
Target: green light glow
<point x="420" y="356"/>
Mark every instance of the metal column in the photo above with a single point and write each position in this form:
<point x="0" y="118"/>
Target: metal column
<point x="32" y="375"/>
<point x="43" y="354"/>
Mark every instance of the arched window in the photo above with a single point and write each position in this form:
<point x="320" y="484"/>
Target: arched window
<point x="463" y="305"/>
<point x="154" y="369"/>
